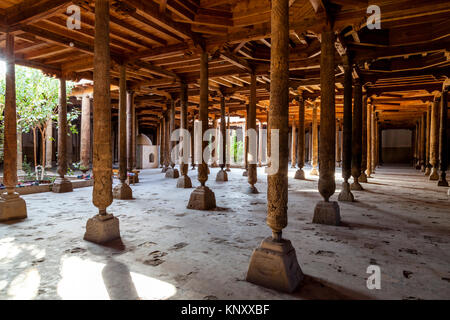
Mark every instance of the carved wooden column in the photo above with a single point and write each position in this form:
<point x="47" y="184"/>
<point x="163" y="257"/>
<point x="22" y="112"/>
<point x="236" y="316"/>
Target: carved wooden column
<point x="357" y="137"/>
<point x="434" y="139"/>
<point x="427" y="143"/>
<point x="130" y="130"/>
<point x="48" y="144"/>
<point x="12" y="206"/>
<point x="363" y="176"/>
<point x="326" y="211"/>
<point x="276" y="253"/>
<point x="368" y="140"/>
<point x="222" y="174"/>
<point x="251" y="137"/>
<point x="122" y="190"/>
<point x="203" y="198"/>
<point x="171" y="172"/>
<point x="260" y="143"/>
<point x="62" y="184"/>
<point x="85" y="143"/>
<point x="133" y="133"/>
<point x="228" y="142"/>
<point x="293" y="144"/>
<point x="423" y="132"/>
<point x="300" y="174"/>
<point x="193" y="139"/>
<point x="373" y="136"/>
<point x="315" y="141"/>
<point x="184" y="181"/>
<point x="338" y="143"/>
<point x="419" y="145"/>
<point x="102" y="227"/>
<point x="245" y="138"/>
<point x="346" y="194"/>
<point x="443" y="151"/>
<point x="160" y="142"/>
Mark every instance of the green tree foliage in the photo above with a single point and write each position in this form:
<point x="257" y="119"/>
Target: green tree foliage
<point x="37" y="98"/>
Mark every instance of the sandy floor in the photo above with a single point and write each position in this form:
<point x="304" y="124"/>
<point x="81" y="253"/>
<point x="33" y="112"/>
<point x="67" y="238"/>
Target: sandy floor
<point x="400" y="223"/>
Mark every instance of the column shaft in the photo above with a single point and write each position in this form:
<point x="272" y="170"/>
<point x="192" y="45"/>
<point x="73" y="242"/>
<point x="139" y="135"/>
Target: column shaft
<point x="434" y="139"/>
<point x="357" y="137"/>
<point x="443" y="151"/>
<point x="251" y="136"/>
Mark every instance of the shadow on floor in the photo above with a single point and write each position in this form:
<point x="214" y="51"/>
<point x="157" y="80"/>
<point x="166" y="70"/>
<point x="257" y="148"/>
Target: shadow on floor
<point x="317" y="289"/>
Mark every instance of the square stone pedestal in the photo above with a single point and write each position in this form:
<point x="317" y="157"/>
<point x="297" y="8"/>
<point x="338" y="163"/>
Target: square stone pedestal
<point x="327" y="213"/>
<point x="346" y="194"/>
<point x="202" y="198"/>
<point x="172" y="173"/>
<point x="122" y="192"/>
<point x="222" y="176"/>
<point x="245" y="173"/>
<point x="102" y="228"/>
<point x="252" y="190"/>
<point x="12" y="206"/>
<point x="184" y="182"/>
<point x="274" y="265"/>
<point x="62" y="185"/>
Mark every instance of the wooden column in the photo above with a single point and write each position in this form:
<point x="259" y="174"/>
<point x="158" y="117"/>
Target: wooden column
<point x="276" y="253"/>
<point x="310" y="142"/>
<point x="49" y="144"/>
<point x="133" y="133"/>
<point x="193" y="141"/>
<point x="62" y="184"/>
<point x="85" y="148"/>
<point x="222" y="175"/>
<point x="293" y="144"/>
<point x="327" y="212"/>
<point x="300" y="174"/>
<point x="373" y="137"/>
<point x="363" y="176"/>
<point x="427" y="142"/>
<point x="346" y="194"/>
<point x="184" y="181"/>
<point x="203" y="198"/>
<point x="12" y="206"/>
<point x="229" y="136"/>
<point x="260" y="143"/>
<point x="443" y="151"/>
<point x="357" y="137"/>
<point x="369" y="139"/>
<point x="338" y="143"/>
<point x="160" y="142"/>
<point x="122" y="190"/>
<point x="102" y="227"/>
<point x="315" y="141"/>
<point x="434" y="139"/>
<point x="251" y="137"/>
<point x="423" y="132"/>
<point x="130" y="130"/>
<point x="245" y="138"/>
<point x="171" y="172"/>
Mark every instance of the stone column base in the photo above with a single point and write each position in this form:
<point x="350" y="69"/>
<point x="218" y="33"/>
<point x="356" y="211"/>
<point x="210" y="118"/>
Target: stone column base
<point x="12" y="206"/>
<point x="327" y="213"/>
<point x="314" y="172"/>
<point x="422" y="168"/>
<point x="245" y="173"/>
<point x="172" y="173"/>
<point x="442" y="182"/>
<point x="222" y="176"/>
<point x="346" y="194"/>
<point x="252" y="190"/>
<point x="434" y="174"/>
<point x="102" y="228"/>
<point x="202" y="198"/>
<point x="228" y="169"/>
<point x="356" y="186"/>
<point x="274" y="265"/>
<point x="363" y="178"/>
<point x="164" y="169"/>
<point x="62" y="185"/>
<point x="122" y="192"/>
<point x="299" y="174"/>
<point x="427" y="171"/>
<point x="184" y="182"/>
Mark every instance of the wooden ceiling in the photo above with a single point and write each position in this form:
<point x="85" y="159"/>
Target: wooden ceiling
<point x="402" y="65"/>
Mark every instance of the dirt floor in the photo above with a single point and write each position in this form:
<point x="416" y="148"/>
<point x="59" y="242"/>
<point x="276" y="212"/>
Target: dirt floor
<point x="401" y="222"/>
